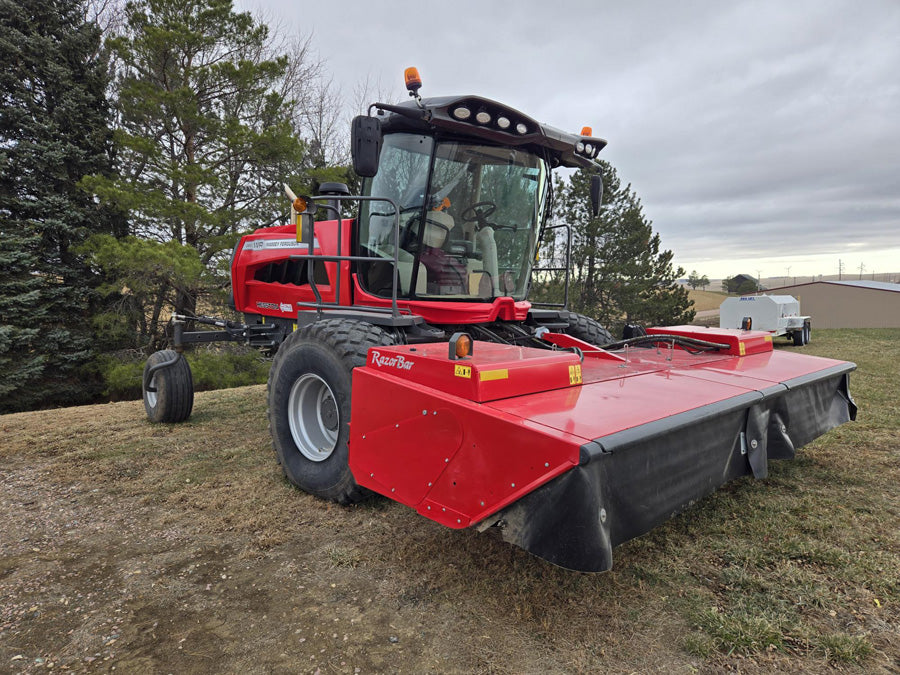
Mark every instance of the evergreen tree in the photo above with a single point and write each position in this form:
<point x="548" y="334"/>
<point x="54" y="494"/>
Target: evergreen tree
<point x="53" y="131"/>
<point x="619" y="272"/>
<point x="205" y="137"/>
<point x="694" y="280"/>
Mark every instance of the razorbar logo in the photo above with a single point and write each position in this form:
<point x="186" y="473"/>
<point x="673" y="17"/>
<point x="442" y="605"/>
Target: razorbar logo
<point x="397" y="362"/>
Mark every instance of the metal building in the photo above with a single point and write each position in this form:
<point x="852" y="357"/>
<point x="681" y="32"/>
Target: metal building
<point x="848" y="304"/>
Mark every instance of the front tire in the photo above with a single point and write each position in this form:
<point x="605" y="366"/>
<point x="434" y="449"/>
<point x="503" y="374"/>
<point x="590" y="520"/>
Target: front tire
<point x="309" y="404"/>
<point x="585" y="328"/>
<point x="169" y="393"/>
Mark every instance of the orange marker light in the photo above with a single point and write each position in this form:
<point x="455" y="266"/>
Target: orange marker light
<point x="413" y="81"/>
<point x="587" y="131"/>
<point x="299" y="205"/>
<point x="463" y="346"/>
<point x="460" y="346"/>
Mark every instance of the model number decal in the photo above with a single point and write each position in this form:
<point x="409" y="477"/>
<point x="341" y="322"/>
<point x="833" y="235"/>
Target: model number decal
<point x="270" y="244"/>
<point x="398" y="362"/>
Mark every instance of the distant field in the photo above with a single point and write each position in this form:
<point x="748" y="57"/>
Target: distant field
<point x="182" y="549"/>
<point x="706" y="300"/>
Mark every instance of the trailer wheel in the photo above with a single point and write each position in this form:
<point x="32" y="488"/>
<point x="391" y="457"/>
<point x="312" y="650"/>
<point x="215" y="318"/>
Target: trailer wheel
<point x="586" y="328"/>
<point x="169" y="392"/>
<point x="807" y="333"/>
<point x="798" y="336"/>
<point x="309" y="404"/>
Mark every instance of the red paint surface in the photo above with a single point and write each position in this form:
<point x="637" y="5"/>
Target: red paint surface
<point x="458" y="449"/>
<point x="258" y="297"/>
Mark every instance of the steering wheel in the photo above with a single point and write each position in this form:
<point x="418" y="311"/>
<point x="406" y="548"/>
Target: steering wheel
<point x="476" y="214"/>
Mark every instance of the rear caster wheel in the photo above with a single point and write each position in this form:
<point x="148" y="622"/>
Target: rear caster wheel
<point x="168" y="391"/>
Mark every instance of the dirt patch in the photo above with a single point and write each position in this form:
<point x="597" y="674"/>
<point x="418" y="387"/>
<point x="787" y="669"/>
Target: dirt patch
<point x="182" y="549"/>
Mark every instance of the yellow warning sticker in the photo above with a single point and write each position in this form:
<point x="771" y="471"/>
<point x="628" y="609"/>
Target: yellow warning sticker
<point x="742" y="349"/>
<point x="462" y="371"/>
<point x="575" y="374"/>
<point x="768" y="338"/>
<point x="488" y="375"/>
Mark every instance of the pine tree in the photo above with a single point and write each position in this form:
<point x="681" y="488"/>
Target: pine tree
<point x="205" y="137"/>
<point x="620" y="273"/>
<point x="53" y="131"/>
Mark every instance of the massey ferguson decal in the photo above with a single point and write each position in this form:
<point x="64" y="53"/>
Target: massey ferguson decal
<point x="397" y="362"/>
<point x="283" y="307"/>
<point x="277" y="244"/>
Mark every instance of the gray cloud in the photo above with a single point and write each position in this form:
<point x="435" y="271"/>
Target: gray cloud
<point x="748" y="130"/>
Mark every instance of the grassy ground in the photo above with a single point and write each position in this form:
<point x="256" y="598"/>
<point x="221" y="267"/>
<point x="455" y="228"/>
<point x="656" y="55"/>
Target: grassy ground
<point x="705" y="301"/>
<point x="182" y="549"/>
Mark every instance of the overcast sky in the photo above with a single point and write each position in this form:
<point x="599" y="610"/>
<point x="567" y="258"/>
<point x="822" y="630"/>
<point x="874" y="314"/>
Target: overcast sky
<point x="758" y="135"/>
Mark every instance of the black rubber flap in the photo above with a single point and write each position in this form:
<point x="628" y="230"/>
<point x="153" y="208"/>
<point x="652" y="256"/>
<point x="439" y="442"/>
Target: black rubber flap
<point x="630" y="482"/>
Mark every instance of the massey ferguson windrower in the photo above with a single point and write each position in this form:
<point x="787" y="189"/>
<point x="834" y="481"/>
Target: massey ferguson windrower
<point x="409" y="362"/>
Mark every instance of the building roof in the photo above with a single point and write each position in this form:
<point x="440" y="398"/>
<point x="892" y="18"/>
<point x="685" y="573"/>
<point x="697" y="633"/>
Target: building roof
<point x="873" y="285"/>
<point x="878" y="285"/>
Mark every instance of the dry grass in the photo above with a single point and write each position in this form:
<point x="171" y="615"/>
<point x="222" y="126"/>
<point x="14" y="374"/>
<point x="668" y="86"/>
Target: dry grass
<point x="190" y="547"/>
<point x="706" y="300"/>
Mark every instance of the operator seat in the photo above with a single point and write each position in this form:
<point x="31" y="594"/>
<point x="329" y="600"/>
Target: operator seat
<point x="447" y="274"/>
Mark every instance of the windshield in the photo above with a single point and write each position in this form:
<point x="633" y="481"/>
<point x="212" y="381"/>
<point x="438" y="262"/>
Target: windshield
<point x="481" y="209"/>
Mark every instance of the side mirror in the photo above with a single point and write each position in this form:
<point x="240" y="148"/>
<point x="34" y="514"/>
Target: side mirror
<point x="365" y="145"/>
<point x="596" y="194"/>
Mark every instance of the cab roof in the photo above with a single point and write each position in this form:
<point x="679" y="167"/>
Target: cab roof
<point x="476" y="117"/>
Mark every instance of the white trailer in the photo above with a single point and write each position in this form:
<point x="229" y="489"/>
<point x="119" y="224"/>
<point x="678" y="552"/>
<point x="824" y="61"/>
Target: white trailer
<point x="778" y="314"/>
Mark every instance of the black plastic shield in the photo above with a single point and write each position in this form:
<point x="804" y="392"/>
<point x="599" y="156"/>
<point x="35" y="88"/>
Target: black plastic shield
<point x="632" y="481"/>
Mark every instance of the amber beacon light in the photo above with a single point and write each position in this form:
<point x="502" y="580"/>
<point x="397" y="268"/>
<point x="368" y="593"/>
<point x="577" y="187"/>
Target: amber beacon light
<point x="413" y="81"/>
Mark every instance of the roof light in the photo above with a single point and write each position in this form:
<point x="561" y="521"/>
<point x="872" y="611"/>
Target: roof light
<point x="503" y="122"/>
<point x="413" y="81"/>
<point x="579" y="146"/>
<point x="588" y="148"/>
<point x="462" y="113"/>
<point x="483" y="117"/>
<point x="521" y="129"/>
<point x="587" y="131"/>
